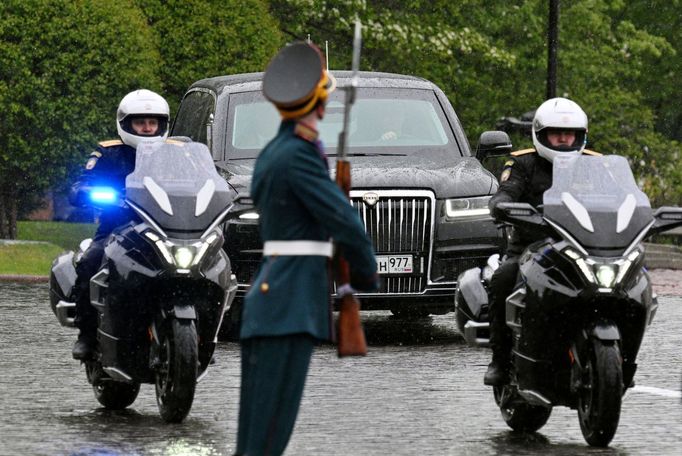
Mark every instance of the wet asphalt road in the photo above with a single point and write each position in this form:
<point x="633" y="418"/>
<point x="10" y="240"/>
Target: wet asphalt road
<point x="419" y="391"/>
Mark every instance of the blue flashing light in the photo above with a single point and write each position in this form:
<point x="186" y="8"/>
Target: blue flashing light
<point x="103" y="195"/>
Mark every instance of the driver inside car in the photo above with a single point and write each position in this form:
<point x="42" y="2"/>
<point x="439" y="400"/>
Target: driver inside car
<point x="141" y="115"/>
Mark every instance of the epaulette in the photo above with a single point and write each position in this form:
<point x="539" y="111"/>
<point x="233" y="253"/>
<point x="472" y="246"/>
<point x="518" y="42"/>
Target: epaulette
<point x="305" y="132"/>
<point x="591" y="152"/>
<point x="175" y="142"/>
<point x="518" y="153"/>
<point x="110" y="143"/>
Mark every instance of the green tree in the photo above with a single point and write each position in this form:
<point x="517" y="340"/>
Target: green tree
<point x="664" y="79"/>
<point x="490" y="58"/>
<point x="203" y="38"/>
<point x="64" y="65"/>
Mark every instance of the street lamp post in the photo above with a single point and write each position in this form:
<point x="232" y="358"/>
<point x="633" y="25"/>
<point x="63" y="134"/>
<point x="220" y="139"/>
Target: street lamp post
<point x="552" y="44"/>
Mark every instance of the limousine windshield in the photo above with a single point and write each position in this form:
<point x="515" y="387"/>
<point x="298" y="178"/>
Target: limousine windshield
<point x="384" y="120"/>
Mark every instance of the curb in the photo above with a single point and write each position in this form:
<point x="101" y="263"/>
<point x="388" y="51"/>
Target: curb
<point x="18" y="278"/>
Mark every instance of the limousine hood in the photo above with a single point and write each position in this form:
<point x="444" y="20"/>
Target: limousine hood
<point x="461" y="178"/>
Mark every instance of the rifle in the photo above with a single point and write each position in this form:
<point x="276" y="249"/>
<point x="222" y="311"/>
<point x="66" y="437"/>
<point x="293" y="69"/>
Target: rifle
<point x="351" y="336"/>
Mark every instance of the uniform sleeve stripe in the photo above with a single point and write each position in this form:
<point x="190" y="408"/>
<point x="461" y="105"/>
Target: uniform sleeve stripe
<point x="111" y="142"/>
<point x="518" y="153"/>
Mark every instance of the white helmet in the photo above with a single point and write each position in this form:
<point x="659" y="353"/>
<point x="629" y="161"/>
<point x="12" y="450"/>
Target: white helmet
<point x="141" y="103"/>
<point x="559" y="114"/>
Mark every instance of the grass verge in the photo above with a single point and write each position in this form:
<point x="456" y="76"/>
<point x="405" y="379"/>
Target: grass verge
<point x="28" y="259"/>
<point x="36" y="258"/>
<point x="66" y="235"/>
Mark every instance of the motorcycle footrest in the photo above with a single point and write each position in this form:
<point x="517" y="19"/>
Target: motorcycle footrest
<point x="477" y="334"/>
<point x="66" y="313"/>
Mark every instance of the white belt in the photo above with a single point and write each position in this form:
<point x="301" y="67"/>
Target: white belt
<point x="298" y="248"/>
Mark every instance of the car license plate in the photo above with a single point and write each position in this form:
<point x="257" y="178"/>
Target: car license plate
<point x="394" y="264"/>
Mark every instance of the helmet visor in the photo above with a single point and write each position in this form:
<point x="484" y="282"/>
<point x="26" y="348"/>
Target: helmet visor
<point x="562" y="139"/>
<point x="145" y="125"/>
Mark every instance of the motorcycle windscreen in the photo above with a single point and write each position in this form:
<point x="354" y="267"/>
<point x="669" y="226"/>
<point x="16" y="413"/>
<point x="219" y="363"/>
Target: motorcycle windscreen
<point x="177" y="185"/>
<point x="597" y="201"/>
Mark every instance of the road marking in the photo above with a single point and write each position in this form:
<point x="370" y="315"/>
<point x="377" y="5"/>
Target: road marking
<point x="657" y="391"/>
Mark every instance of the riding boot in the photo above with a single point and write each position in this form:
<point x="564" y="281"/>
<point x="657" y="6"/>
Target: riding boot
<point x="86" y="322"/>
<point x="85" y="346"/>
<point x="498" y="370"/>
<point x="500" y="342"/>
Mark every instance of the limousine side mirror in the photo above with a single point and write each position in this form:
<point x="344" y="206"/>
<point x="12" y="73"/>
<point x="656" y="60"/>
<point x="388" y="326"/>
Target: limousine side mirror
<point x="493" y="144"/>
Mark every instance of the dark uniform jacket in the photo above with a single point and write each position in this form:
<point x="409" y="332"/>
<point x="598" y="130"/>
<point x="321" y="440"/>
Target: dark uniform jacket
<point x="108" y="165"/>
<point x="297" y="200"/>
<point x="524" y="179"/>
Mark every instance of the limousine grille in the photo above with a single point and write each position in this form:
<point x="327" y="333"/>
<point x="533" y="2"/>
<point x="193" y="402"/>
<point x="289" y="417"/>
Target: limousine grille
<point x="400" y="224"/>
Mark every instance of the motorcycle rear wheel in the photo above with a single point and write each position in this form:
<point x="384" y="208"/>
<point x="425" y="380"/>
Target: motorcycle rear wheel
<point x="176" y="376"/>
<point x="600" y="398"/>
<point x="520" y="416"/>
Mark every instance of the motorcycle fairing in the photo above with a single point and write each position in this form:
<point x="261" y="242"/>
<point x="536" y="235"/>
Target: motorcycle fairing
<point x="596" y="201"/>
<point x="549" y="308"/>
<point x="181" y="204"/>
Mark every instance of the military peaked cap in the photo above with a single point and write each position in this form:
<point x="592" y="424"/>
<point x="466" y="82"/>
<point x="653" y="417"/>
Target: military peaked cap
<point x="296" y="80"/>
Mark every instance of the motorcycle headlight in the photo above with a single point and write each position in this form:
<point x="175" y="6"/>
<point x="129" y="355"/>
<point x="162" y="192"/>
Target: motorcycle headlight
<point x="467" y="207"/>
<point x="183" y="256"/>
<point x="606" y="274"/>
<point x="581" y="263"/>
<point x="251" y="215"/>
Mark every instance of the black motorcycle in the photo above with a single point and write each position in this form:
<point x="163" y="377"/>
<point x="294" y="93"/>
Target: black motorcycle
<point x="583" y="299"/>
<point x="165" y="281"/>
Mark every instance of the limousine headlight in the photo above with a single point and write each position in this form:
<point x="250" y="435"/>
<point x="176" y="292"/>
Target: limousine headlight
<point x="459" y="208"/>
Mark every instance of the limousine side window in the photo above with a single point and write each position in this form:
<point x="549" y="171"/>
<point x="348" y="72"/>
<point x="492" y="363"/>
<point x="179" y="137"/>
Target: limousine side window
<point x="195" y="115"/>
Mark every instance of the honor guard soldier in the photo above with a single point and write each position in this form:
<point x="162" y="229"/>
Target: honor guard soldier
<point x="288" y="310"/>
<point x="141" y="114"/>
<point x="559" y="127"/>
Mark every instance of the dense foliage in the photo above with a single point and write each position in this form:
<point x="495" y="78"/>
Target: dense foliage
<point x="490" y="57"/>
<point x="204" y="38"/>
<point x="65" y="64"/>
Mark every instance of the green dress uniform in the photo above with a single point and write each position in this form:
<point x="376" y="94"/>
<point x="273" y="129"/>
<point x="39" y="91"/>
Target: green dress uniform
<point x="288" y="308"/>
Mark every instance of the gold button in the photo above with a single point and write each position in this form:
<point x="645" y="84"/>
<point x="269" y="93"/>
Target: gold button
<point x="264" y="287"/>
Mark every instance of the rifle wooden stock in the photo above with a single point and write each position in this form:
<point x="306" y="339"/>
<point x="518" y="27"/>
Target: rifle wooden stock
<point x="351" y="336"/>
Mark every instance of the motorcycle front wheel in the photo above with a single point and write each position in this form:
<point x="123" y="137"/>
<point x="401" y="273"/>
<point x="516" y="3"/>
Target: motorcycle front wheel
<point x="519" y="415"/>
<point x="112" y="395"/>
<point x="116" y="395"/>
<point x="600" y="397"/>
<point x="176" y="376"/>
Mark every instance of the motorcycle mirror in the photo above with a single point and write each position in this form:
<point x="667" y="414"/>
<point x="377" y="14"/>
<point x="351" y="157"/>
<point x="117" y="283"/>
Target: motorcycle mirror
<point x="520" y="214"/>
<point x="666" y="218"/>
<point x="493" y="144"/>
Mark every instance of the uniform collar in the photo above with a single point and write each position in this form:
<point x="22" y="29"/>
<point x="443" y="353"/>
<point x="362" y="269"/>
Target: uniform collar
<point x="306" y="132"/>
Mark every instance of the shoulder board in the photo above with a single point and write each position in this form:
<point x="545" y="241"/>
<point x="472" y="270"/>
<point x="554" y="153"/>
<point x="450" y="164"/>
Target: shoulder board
<point x="175" y="142"/>
<point x="518" y="153"/>
<point x="305" y="132"/>
<point x="110" y="143"/>
<point x="591" y="152"/>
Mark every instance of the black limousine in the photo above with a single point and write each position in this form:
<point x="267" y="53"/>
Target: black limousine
<point x="422" y="195"/>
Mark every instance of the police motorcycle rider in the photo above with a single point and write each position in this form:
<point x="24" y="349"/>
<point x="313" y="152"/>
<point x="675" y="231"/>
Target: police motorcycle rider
<point x="141" y="115"/>
<point x="559" y="127"/>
